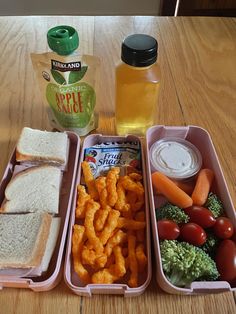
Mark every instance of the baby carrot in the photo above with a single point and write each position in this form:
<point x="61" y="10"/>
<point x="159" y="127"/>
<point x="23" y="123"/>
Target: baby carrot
<point x="187" y="187"/>
<point x="202" y="187"/>
<point x="170" y="190"/>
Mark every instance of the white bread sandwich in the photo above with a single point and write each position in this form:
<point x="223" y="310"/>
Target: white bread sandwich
<point x="35" y="189"/>
<point x="51" y="243"/>
<point x="23" y="239"/>
<point x="37" y="147"/>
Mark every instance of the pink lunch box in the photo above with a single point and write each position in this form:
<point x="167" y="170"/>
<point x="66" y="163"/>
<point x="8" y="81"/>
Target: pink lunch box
<point x="201" y="139"/>
<point x="121" y="288"/>
<point x="51" y="278"/>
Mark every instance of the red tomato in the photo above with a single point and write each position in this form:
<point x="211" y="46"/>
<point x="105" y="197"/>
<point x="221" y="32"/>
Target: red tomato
<point x="201" y="216"/>
<point x="223" y="228"/>
<point x="233" y="238"/>
<point x="193" y="234"/>
<point x="167" y="229"/>
<point x="226" y="260"/>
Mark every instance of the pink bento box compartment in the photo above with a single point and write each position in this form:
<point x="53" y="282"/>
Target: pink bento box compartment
<point x="52" y="277"/>
<point x="202" y="140"/>
<point x="71" y="278"/>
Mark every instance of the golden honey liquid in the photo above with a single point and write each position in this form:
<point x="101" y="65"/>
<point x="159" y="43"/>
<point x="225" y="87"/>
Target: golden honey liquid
<point x="137" y="90"/>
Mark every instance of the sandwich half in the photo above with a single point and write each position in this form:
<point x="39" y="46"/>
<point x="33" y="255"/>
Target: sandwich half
<point x="37" y="147"/>
<point x="36" y="189"/>
<point x="23" y="239"/>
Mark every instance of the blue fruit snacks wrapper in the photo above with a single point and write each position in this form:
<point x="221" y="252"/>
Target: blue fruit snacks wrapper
<point x="102" y="157"/>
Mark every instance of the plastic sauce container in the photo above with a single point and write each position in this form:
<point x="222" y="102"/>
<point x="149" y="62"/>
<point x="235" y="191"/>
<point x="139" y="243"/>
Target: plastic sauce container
<point x="137" y="85"/>
<point x="176" y="158"/>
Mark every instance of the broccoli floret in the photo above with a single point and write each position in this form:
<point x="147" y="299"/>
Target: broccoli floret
<point x="184" y="263"/>
<point x="214" y="204"/>
<point x="172" y="212"/>
<point x="211" y="244"/>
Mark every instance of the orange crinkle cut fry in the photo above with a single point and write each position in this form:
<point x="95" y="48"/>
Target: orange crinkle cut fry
<point x="140" y="234"/>
<point x="128" y="214"/>
<point x="82" y="198"/>
<point x="132" y="260"/>
<point x="111" y="181"/>
<point x="114" y="272"/>
<point x="88" y="256"/>
<point x="125" y="251"/>
<point x="119" y="267"/>
<point x="110" y="226"/>
<point x="140" y="216"/>
<point x="131" y="197"/>
<point x="130" y="185"/>
<point x="91" y="208"/>
<point x="134" y="195"/>
<point x="89" y="180"/>
<point x="101" y="260"/>
<point x="100" y="184"/>
<point x="77" y="243"/>
<point x="138" y="204"/>
<point x="141" y="257"/>
<point x="101" y="217"/>
<point x="102" y="213"/>
<point x="111" y="205"/>
<point x="103" y="276"/>
<point x="130" y="224"/>
<point x="110" y="260"/>
<point x="135" y="176"/>
<point x="118" y="238"/>
<point x="121" y="203"/>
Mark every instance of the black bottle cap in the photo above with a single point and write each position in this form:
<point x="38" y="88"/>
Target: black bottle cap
<point x="139" y="50"/>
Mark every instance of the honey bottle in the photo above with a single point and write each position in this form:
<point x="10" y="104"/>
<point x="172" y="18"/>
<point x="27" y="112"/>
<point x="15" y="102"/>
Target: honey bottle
<point x="137" y="85"/>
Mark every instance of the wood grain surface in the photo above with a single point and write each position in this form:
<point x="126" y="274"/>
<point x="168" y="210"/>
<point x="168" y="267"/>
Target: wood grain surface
<point x="198" y="61"/>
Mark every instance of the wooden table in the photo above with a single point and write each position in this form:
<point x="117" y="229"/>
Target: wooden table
<point x="198" y="63"/>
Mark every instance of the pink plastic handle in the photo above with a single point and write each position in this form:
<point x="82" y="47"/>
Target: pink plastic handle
<point x="210" y="287"/>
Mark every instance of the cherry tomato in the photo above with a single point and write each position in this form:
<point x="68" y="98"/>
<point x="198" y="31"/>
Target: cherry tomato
<point x="226" y="260"/>
<point x="201" y="216"/>
<point x="167" y="229"/>
<point x="233" y="238"/>
<point x="193" y="234"/>
<point x="223" y="228"/>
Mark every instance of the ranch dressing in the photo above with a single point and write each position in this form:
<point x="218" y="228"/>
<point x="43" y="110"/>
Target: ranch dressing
<point x="176" y="158"/>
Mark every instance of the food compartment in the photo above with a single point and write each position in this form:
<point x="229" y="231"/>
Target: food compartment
<point x="49" y="279"/>
<point x="119" y="286"/>
<point x="201" y="139"/>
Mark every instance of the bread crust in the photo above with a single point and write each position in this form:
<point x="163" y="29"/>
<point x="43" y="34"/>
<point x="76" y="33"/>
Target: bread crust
<point x="39" y="248"/>
<point x="23" y="157"/>
<point x="40" y="245"/>
<point x="3" y="209"/>
<point x="23" y="172"/>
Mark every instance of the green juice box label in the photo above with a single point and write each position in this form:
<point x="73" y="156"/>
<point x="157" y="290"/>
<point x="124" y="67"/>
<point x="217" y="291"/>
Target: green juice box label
<point x="68" y="85"/>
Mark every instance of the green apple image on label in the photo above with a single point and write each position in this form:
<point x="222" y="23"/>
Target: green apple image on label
<point x="72" y="104"/>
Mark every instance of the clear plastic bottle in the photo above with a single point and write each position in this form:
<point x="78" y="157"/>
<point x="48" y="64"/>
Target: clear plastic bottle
<point x="137" y="85"/>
